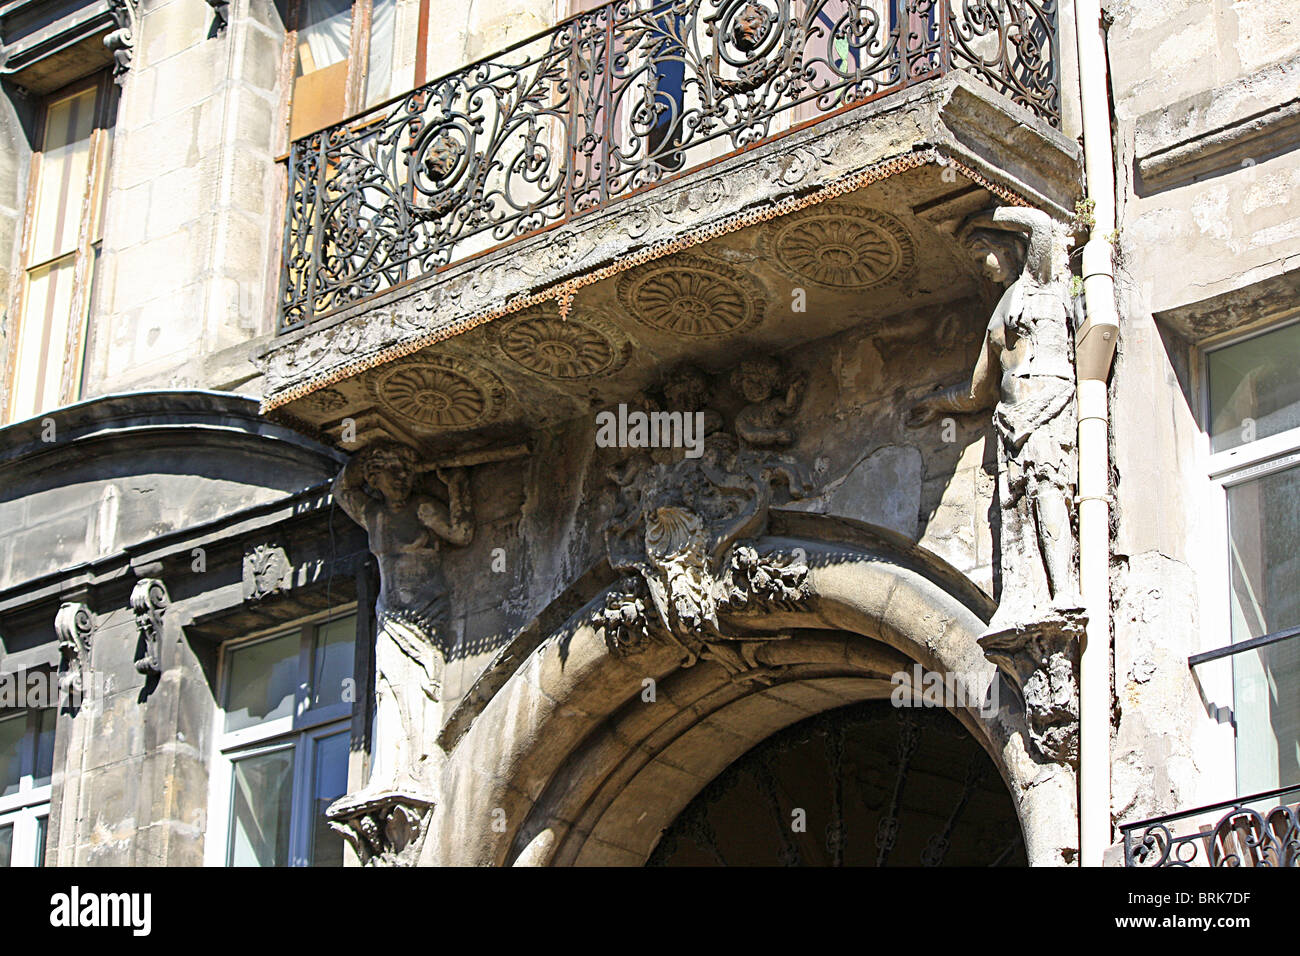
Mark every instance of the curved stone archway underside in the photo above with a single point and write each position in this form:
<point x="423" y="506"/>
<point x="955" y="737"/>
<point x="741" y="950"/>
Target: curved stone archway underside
<point x="567" y="763"/>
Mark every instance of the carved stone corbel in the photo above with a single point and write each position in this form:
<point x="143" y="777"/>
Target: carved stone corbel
<point x="125" y="14"/>
<point x="74" y="623"/>
<point x="385" y="829"/>
<point x="220" y="13"/>
<point x="149" y="601"/>
<point x="1042" y="660"/>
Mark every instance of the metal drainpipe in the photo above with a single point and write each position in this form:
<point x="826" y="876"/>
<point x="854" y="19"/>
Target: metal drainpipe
<point x="1094" y="350"/>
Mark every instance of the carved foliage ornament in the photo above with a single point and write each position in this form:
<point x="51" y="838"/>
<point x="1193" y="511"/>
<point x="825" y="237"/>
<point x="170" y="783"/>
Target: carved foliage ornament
<point x="266" y="571"/>
<point x="149" y="601"/>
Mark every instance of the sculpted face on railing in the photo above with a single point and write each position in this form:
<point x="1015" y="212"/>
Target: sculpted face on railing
<point x="607" y="103"/>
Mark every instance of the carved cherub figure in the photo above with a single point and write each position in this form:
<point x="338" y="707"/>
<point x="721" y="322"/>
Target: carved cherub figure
<point x="773" y="396"/>
<point x="377" y="489"/>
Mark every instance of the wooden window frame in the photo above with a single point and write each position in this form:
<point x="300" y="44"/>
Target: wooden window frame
<point x="358" y="64"/>
<point x="71" y="366"/>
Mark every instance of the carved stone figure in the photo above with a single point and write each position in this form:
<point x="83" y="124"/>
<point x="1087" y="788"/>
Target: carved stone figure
<point x="1025" y="369"/>
<point x="681" y="529"/>
<point x="773" y="395"/>
<point x="377" y="489"/>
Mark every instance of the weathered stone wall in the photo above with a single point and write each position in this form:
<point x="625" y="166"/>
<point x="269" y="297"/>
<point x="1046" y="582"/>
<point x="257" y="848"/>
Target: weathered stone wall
<point x="933" y="486"/>
<point x="1208" y="177"/>
<point x="187" y="277"/>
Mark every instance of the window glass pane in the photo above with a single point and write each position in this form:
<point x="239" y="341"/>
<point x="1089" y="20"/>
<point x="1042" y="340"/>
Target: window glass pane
<point x="6" y="846"/>
<point x="331" y="782"/>
<point x="13" y="732"/>
<point x="1255" y="388"/>
<point x="43" y="338"/>
<point x="62" y="177"/>
<point x="44" y="747"/>
<point x="42" y="824"/>
<point x="1266" y="698"/>
<point x="263" y="678"/>
<point x="324" y="34"/>
<point x="1264" y="534"/>
<point x="332" y="660"/>
<point x="379" y="69"/>
<point x="261" y="803"/>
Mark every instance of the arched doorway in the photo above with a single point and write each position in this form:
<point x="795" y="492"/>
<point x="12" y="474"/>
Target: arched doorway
<point x="864" y="785"/>
<point x="563" y="756"/>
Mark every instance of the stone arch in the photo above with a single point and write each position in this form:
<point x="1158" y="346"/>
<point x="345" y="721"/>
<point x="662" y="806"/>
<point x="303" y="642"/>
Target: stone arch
<point x="565" y="763"/>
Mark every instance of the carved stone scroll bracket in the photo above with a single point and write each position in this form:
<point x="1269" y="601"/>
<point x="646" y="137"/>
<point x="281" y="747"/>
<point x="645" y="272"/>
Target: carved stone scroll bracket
<point x="385" y="828"/>
<point x="1042" y="660"/>
<point x="75" y="624"/>
<point x="149" y="601"/>
<point x="125" y="14"/>
<point x="220" y="15"/>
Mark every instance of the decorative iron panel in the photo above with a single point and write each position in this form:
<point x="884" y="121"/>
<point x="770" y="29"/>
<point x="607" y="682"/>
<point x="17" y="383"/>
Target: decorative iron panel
<point x="1236" y="833"/>
<point x="610" y="102"/>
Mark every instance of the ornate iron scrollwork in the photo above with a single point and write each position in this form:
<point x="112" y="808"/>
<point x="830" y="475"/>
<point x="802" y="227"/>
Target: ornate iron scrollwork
<point x="609" y="102"/>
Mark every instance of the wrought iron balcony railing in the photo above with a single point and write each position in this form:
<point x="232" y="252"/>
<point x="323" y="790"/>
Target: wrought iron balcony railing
<point x="609" y="102"/>
<point x="1260" y="830"/>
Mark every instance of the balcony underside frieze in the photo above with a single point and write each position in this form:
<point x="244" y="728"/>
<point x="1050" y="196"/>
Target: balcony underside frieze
<point x="851" y="220"/>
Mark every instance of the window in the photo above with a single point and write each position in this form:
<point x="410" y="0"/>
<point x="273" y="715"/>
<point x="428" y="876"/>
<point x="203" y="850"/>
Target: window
<point x="1253" y="417"/>
<point x="283" y="733"/>
<point x="61" y="245"/>
<point x="342" y="54"/>
<point x="26" y="765"/>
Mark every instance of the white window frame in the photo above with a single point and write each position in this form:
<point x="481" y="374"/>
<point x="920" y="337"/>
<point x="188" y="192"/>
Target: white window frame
<point x="25" y="809"/>
<point x="299" y="730"/>
<point x="1223" y="470"/>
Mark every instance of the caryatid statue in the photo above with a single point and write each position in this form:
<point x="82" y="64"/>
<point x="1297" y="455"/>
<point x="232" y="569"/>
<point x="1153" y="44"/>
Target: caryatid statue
<point x="377" y="488"/>
<point x="1025" y="371"/>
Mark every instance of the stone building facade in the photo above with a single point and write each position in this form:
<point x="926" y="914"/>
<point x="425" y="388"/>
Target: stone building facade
<point x="545" y="432"/>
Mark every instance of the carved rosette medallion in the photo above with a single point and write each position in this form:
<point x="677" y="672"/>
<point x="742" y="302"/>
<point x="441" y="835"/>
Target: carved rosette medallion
<point x="692" y="296"/>
<point x="841" y="246"/>
<point x="572" y="348"/>
<point x="438" y="393"/>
